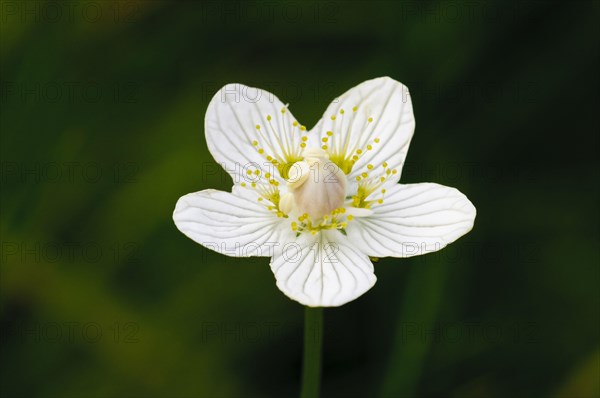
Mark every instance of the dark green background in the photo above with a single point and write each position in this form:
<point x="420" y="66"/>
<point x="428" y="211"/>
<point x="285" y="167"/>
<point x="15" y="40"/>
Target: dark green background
<point x="102" y="130"/>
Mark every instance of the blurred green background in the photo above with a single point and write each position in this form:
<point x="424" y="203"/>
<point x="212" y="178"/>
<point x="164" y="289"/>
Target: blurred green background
<point x="102" y="115"/>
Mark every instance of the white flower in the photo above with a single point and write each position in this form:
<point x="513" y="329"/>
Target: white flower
<point x="319" y="202"/>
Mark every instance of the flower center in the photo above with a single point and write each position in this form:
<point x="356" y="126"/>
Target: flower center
<point x="318" y="185"/>
<point x="316" y="177"/>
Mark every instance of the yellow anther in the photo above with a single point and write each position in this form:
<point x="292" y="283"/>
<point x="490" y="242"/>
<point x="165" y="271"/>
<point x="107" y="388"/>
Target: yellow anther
<point x="280" y="214"/>
<point x="380" y="201"/>
<point x="369" y="147"/>
<point x="342" y="111"/>
<point x="394" y="171"/>
<point x="249" y="172"/>
<point x="388" y="171"/>
<point x="350" y="217"/>
<point x="255" y="143"/>
<point x="332" y="117"/>
<point x="324" y="147"/>
<point x="269" y="158"/>
<point x="283" y="110"/>
<point x="261" y="151"/>
<point x="385" y="164"/>
<point x="295" y="123"/>
<point x="258" y="126"/>
<point x="383" y="191"/>
<point x="370" y="166"/>
<point x="364" y="175"/>
<point x="376" y="140"/>
<point x="243" y="184"/>
<point x="370" y="119"/>
<point x="359" y="151"/>
<point x="304" y="138"/>
<point x="253" y="185"/>
<point x="302" y="145"/>
<point x="303" y="128"/>
<point x="257" y="172"/>
<point x="324" y="139"/>
<point x="267" y="175"/>
<point x="358" y="178"/>
<point x="269" y="118"/>
<point x="330" y="133"/>
<point x="260" y="199"/>
<point x="354" y="108"/>
<point x="354" y="157"/>
<point x="382" y="179"/>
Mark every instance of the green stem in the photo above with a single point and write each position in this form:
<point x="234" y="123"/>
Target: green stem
<point x="313" y="341"/>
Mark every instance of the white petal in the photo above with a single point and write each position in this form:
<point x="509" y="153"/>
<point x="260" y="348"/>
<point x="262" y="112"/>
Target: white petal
<point x="230" y="125"/>
<point x="388" y="103"/>
<point x="323" y="270"/>
<point x="413" y="219"/>
<point x="228" y="223"/>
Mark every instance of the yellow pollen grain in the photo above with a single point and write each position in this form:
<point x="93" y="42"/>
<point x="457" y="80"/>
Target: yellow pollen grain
<point x="364" y="175"/>
<point x="342" y="111"/>
<point x="269" y="158"/>
<point x="330" y="133"/>
<point x="394" y="171"/>
<point x="243" y="184"/>
<point x="261" y="151"/>
<point x="385" y="164"/>
<point x="305" y="138"/>
<point x="370" y="119"/>
<point x="267" y="175"/>
<point x="350" y="217"/>
<point x="354" y="108"/>
<point x="255" y="143"/>
<point x="383" y="191"/>
<point x="303" y="145"/>
<point x="283" y="110"/>
<point x="303" y="128"/>
<point x="358" y="178"/>
<point x="332" y="117"/>
<point x="324" y="139"/>
<point x="369" y="147"/>
<point x="295" y="123"/>
<point x="257" y="172"/>
<point x="380" y="201"/>
<point x="324" y="147"/>
<point x="258" y="126"/>
<point x="359" y="151"/>
<point x="269" y="118"/>
<point x="253" y="185"/>
<point x="260" y="199"/>
<point x="249" y="172"/>
<point x="354" y="157"/>
<point x="376" y="140"/>
<point x="370" y="166"/>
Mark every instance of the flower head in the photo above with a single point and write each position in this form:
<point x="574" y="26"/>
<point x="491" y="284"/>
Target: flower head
<point x="320" y="203"/>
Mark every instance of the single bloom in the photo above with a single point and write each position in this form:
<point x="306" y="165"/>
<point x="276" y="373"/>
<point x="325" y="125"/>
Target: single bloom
<point x="320" y="203"/>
